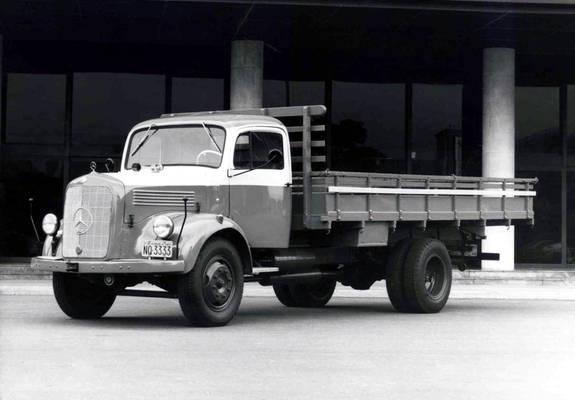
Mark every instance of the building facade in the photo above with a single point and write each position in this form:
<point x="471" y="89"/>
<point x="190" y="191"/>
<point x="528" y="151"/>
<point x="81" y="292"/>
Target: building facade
<point x="450" y="87"/>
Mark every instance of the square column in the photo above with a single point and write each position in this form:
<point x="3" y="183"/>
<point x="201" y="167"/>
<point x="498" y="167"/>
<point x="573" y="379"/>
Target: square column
<point x="246" y="83"/>
<point x="499" y="143"/>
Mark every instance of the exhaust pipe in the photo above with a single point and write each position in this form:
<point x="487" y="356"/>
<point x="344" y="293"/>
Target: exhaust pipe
<point x="312" y="276"/>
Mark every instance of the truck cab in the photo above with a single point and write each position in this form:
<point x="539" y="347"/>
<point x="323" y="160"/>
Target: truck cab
<point x="237" y="168"/>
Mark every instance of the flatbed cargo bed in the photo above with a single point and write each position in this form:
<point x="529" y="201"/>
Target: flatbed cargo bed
<point x="352" y="196"/>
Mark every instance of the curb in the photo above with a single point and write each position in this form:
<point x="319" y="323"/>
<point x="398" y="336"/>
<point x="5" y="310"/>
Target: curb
<point x="378" y="290"/>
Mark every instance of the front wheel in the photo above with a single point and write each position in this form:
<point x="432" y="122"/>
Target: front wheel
<point x="210" y="294"/>
<point x="81" y="299"/>
<point x="427" y="276"/>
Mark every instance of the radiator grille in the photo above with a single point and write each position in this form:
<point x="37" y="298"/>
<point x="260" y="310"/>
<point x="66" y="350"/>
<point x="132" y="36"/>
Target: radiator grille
<point x="87" y="215"/>
<point x="165" y="198"/>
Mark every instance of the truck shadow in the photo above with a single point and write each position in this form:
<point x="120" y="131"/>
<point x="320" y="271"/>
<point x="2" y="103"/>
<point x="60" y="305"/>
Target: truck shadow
<point x="267" y="312"/>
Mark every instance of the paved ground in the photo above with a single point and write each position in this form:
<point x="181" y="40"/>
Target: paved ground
<point x="355" y="348"/>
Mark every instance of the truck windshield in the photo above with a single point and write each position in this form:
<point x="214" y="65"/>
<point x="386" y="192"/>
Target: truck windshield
<point x="176" y="145"/>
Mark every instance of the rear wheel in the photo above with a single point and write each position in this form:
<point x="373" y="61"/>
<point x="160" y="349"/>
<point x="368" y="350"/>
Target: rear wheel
<point x="395" y="274"/>
<point x="313" y="294"/>
<point x="427" y="276"/>
<point x="210" y="294"/>
<point x="284" y="295"/>
<point x="81" y="299"/>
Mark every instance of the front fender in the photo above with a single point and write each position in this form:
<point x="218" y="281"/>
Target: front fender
<point x="200" y="227"/>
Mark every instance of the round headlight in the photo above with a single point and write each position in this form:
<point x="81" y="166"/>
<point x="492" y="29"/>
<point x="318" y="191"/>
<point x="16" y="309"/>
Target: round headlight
<point x="50" y="224"/>
<point x="163" y="226"/>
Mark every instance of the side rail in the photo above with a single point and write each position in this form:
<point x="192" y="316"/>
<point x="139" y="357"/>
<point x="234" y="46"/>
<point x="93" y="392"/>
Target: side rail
<point x="389" y="197"/>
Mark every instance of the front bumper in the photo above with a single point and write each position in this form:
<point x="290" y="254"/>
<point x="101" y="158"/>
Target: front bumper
<point x="126" y="266"/>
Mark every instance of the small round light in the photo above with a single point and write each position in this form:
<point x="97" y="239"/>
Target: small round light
<point x="163" y="226"/>
<point x="50" y="224"/>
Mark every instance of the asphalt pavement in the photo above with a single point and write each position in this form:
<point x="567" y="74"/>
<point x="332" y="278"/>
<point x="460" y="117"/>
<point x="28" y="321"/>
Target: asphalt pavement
<point x="354" y="348"/>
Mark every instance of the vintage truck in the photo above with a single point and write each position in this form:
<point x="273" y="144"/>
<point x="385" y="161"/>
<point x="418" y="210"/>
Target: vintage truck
<point x="204" y="202"/>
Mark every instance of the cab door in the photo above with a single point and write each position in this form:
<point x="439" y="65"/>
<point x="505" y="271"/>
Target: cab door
<point x="260" y="187"/>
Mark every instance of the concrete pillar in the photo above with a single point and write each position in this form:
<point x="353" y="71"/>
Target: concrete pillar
<point x="499" y="143"/>
<point x="247" y="77"/>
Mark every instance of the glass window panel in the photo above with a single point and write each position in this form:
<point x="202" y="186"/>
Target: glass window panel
<point x="570" y="217"/>
<point x="176" y="145"/>
<point x="300" y="93"/>
<point x="437" y="111"/>
<point x="537" y="134"/>
<point x="197" y="94"/>
<point x="306" y="93"/>
<point x="30" y="176"/>
<point x="368" y="131"/>
<point x="252" y="150"/>
<point x="542" y="244"/>
<point x="274" y="94"/>
<point x="35" y="108"/>
<point x="570" y="125"/>
<point x="106" y="106"/>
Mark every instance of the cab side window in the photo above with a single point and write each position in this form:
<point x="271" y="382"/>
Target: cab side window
<point x="252" y="150"/>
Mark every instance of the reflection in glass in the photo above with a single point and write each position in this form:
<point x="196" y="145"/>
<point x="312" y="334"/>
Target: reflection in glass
<point x="542" y="244"/>
<point x="537" y="134"/>
<point x="437" y="111"/>
<point x="538" y="150"/>
<point x="35" y="108"/>
<point x="368" y="127"/>
<point x="300" y="93"/>
<point x="570" y="126"/>
<point x="106" y="106"/>
<point x="197" y="94"/>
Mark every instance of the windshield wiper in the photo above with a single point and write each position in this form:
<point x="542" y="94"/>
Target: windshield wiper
<point x="209" y="132"/>
<point x="145" y="139"/>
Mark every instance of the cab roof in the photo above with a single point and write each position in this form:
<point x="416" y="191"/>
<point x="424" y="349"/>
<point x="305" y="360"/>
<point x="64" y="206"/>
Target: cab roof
<point x="226" y="119"/>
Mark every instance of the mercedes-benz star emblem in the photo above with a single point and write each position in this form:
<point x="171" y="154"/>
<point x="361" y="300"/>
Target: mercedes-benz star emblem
<point x="82" y="221"/>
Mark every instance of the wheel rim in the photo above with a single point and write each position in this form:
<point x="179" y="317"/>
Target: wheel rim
<point x="435" y="278"/>
<point x="218" y="284"/>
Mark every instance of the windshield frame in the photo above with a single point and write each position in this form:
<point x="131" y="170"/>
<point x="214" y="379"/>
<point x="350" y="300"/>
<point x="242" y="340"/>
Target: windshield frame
<point x="134" y="141"/>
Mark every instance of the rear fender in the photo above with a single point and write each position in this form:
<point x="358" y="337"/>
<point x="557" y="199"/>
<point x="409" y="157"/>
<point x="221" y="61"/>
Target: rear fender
<point x="199" y="228"/>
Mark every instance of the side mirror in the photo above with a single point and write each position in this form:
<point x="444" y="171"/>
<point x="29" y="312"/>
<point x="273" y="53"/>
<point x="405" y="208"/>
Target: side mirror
<point x="275" y="156"/>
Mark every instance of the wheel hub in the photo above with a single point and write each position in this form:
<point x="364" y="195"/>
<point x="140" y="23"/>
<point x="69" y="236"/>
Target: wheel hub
<point x="434" y="277"/>
<point x="218" y="285"/>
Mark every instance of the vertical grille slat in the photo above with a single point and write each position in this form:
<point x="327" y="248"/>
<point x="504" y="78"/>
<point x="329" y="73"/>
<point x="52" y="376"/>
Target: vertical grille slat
<point x="87" y="216"/>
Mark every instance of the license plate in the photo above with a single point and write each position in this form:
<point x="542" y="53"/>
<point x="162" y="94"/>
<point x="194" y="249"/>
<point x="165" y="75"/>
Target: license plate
<point x="157" y="249"/>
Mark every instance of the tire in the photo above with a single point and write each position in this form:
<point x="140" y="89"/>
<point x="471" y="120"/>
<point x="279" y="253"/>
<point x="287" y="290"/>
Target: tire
<point x="81" y="299"/>
<point x="427" y="276"/>
<point x="394" y="275"/>
<point x="210" y="294"/>
<point x="313" y="295"/>
<point x="284" y="295"/>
